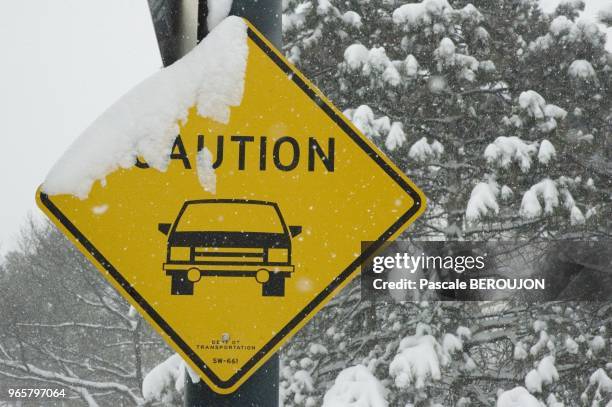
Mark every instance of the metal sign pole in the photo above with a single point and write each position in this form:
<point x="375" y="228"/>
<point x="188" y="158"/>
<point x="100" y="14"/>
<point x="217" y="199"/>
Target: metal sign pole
<point x="260" y="390"/>
<point x="179" y="25"/>
<point x="265" y="15"/>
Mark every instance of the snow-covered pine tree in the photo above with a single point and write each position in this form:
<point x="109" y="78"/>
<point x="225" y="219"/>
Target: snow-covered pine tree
<point x="502" y="114"/>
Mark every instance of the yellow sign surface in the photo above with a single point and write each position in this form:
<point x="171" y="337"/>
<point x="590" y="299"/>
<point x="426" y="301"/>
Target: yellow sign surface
<point x="227" y="274"/>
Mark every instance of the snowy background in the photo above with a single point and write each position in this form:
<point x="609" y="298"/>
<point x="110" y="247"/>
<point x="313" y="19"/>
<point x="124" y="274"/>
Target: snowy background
<point x="500" y="111"/>
<point x="64" y="63"/>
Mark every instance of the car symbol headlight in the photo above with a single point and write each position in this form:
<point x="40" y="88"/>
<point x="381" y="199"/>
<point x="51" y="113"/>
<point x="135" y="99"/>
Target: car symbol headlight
<point x="180" y="253"/>
<point x="278" y="255"/>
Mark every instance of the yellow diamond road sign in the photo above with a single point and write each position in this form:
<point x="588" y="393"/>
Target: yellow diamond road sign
<point x="227" y="277"/>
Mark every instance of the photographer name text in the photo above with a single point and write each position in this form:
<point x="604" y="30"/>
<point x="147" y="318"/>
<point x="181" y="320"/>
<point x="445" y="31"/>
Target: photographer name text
<point x="462" y="284"/>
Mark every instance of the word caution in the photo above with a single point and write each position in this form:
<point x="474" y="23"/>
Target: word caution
<point x="286" y="152"/>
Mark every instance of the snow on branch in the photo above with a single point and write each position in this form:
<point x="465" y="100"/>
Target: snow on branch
<point x="446" y="55"/>
<point x="546" y="152"/>
<point x="423" y="151"/>
<point x="564" y="33"/>
<point x="352" y="18"/>
<point x="363" y="118"/>
<point x="160" y="383"/>
<point x="505" y="150"/>
<point x="582" y="70"/>
<point x="413" y="15"/>
<point x="546" y="190"/>
<point x="483" y="201"/>
<point x="517" y="397"/>
<point x="356" y="386"/>
<point x="533" y="103"/>
<point x="372" y="62"/>
<point x="166" y="379"/>
<point x="376" y="68"/>
<point x="420" y="358"/>
<point x="396" y="136"/>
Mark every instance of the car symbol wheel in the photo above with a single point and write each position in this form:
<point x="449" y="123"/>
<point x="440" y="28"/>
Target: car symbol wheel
<point x="262" y="276"/>
<point x="194" y="275"/>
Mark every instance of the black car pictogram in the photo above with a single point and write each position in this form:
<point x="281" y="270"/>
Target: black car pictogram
<point x="229" y="238"/>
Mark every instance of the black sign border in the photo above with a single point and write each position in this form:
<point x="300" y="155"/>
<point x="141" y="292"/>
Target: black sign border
<point x="312" y="94"/>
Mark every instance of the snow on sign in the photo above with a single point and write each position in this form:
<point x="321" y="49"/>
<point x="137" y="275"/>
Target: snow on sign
<point x="226" y="199"/>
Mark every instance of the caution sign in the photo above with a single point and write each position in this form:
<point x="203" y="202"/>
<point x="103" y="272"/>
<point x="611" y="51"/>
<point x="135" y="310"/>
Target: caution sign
<point x="226" y="274"/>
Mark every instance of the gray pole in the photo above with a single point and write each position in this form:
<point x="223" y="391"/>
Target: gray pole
<point x="265" y="15"/>
<point x="179" y="25"/>
<point x="260" y="390"/>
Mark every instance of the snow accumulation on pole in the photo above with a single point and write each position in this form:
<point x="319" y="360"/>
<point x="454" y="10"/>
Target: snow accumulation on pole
<point x="217" y="11"/>
<point x="145" y="121"/>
